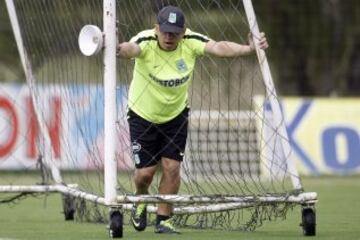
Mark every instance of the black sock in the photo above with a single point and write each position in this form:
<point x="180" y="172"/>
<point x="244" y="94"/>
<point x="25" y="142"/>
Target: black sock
<point x="160" y="218"/>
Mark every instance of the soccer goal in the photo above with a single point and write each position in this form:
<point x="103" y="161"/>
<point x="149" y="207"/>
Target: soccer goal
<point x="238" y="170"/>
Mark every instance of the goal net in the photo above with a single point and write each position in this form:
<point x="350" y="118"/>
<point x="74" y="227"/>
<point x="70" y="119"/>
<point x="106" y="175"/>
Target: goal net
<point x="236" y="171"/>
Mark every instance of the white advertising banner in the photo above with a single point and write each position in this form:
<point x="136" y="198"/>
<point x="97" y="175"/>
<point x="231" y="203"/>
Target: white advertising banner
<point x="74" y="123"/>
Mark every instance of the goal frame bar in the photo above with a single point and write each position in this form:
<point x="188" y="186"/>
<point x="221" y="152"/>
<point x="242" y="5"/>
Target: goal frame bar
<point x="210" y="203"/>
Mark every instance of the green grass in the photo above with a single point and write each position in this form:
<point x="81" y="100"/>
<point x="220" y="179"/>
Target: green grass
<point x="338" y="217"/>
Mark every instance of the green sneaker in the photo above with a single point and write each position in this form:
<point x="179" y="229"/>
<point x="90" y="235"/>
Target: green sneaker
<point x="138" y="216"/>
<point x="166" y="227"/>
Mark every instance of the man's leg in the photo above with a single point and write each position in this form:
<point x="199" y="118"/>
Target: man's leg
<point x="169" y="184"/>
<point x="145" y="147"/>
<point x="142" y="178"/>
<point x="173" y="142"/>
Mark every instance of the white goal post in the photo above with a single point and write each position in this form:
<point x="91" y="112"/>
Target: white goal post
<point x="216" y="176"/>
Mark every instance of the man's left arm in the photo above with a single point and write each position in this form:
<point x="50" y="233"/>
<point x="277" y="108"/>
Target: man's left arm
<point x="232" y="49"/>
<point x="128" y="50"/>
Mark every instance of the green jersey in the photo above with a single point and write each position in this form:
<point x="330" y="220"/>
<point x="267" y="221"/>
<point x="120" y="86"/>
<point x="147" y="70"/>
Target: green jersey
<point x="161" y="79"/>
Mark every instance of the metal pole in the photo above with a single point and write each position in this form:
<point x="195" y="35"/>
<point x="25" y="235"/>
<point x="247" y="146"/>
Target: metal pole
<point x="110" y="41"/>
<point x="271" y="93"/>
<point x="30" y="80"/>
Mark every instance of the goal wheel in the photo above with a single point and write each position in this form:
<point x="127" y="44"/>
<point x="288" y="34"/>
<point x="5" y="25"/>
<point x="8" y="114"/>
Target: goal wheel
<point x="68" y="207"/>
<point x="116" y="224"/>
<point x="309" y="221"/>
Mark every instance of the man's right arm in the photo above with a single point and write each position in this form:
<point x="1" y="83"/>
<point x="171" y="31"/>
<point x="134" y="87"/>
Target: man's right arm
<point x="128" y="50"/>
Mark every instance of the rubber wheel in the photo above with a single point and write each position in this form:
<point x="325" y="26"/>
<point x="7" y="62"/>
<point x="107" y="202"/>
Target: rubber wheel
<point x="68" y="207"/>
<point x="309" y="221"/>
<point x="116" y="224"/>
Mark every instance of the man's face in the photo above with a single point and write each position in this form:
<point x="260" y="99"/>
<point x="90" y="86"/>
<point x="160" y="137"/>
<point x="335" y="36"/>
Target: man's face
<point x="168" y="41"/>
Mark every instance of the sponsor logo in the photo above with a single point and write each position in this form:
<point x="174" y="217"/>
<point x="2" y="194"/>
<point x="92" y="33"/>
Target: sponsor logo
<point x="171" y="82"/>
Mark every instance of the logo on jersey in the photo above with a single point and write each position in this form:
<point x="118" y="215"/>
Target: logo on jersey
<point x="171" y="82"/>
<point x="181" y="65"/>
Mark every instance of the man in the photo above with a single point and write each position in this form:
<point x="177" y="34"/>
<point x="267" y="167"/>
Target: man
<point x="158" y="102"/>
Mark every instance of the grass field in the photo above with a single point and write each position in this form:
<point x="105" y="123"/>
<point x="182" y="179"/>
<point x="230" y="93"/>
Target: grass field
<point x="338" y="217"/>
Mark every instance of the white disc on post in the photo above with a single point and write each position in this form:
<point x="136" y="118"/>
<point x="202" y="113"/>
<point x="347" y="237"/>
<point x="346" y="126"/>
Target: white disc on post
<point x="90" y="40"/>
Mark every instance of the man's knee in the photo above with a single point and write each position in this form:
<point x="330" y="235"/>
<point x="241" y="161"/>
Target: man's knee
<point x="170" y="166"/>
<point x="171" y="170"/>
<point x="144" y="176"/>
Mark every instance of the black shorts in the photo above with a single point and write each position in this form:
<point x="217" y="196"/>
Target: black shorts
<point x="152" y="141"/>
